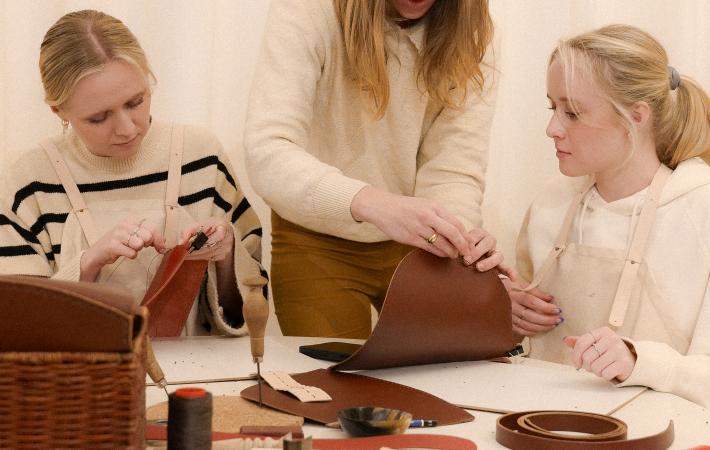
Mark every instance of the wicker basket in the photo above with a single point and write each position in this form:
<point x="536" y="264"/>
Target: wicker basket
<point x="71" y="400"/>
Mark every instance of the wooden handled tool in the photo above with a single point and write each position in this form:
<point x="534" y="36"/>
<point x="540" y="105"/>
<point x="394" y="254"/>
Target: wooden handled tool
<point x="256" y="312"/>
<point x="153" y="368"/>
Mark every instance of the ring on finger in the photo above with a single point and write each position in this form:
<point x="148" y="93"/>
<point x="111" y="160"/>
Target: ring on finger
<point x="431" y="239"/>
<point x="594" y="346"/>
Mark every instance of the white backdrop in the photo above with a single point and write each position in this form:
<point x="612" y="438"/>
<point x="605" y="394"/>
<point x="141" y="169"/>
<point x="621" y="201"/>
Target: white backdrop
<point x="203" y="54"/>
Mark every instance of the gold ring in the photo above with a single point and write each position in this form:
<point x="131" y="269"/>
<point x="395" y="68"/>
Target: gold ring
<point x="594" y="346"/>
<point x="433" y="238"/>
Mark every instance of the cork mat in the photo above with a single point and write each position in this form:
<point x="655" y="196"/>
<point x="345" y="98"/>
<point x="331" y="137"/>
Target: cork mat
<point x="229" y="413"/>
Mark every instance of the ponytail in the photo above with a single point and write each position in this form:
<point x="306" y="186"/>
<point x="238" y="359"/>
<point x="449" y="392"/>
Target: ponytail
<point x="684" y="132"/>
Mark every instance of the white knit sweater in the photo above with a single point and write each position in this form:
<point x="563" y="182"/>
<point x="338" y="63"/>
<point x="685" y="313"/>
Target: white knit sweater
<point x="312" y="144"/>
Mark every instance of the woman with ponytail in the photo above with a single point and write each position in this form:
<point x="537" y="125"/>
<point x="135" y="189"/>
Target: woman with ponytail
<point x="367" y="134"/>
<point x="617" y="254"/>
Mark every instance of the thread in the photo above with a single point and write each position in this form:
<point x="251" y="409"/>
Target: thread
<point x="190" y="419"/>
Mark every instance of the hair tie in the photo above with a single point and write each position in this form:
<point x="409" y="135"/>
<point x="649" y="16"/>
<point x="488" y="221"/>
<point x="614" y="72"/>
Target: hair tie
<point x="674" y="77"/>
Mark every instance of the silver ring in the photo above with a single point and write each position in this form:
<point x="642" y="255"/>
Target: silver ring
<point x="594" y="346"/>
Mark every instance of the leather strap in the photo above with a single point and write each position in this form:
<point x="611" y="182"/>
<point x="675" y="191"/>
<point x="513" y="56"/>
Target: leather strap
<point x="636" y="250"/>
<point x="75" y="198"/>
<point x="541" y="430"/>
<point x="634" y="257"/>
<point x="399" y="441"/>
<point x="173" y="185"/>
<point x="561" y="242"/>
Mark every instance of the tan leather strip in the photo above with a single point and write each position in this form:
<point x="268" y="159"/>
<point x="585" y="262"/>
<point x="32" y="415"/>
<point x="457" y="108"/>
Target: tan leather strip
<point x="75" y="198"/>
<point x="173" y="185"/>
<point x="399" y="441"/>
<point x="637" y="248"/>
<point x="545" y="430"/>
<point x="561" y="242"/>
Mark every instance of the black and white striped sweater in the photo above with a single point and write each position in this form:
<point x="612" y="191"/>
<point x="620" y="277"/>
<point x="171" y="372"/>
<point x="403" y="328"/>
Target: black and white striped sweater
<point x="34" y="207"/>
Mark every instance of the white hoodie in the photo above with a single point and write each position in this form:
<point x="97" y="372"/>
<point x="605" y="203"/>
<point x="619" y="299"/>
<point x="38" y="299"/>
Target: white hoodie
<point x="677" y="254"/>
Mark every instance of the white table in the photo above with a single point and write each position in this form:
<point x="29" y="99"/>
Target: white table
<point x="190" y="359"/>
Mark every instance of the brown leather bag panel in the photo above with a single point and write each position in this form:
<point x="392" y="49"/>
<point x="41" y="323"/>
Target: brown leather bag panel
<point x="437" y="310"/>
<point x="348" y="390"/>
<point x="39" y="314"/>
<point x="172" y="292"/>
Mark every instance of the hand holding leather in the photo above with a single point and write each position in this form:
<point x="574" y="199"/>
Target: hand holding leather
<point x="221" y="238"/>
<point x="602" y="352"/>
<point x="481" y="243"/>
<point x="412" y="221"/>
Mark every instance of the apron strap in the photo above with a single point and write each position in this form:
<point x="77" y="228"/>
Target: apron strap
<point x="79" y="208"/>
<point x="561" y="242"/>
<point x="637" y="248"/>
<point x="173" y="185"/>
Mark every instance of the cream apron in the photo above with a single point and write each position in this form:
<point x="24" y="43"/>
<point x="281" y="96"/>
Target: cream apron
<point x="596" y="287"/>
<point x="82" y="228"/>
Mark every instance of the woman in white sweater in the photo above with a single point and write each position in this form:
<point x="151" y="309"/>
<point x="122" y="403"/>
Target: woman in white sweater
<point x="367" y="129"/>
<point x="619" y="251"/>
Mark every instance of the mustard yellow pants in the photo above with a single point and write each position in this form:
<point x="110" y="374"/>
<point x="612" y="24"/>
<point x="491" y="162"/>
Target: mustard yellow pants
<point x="324" y="285"/>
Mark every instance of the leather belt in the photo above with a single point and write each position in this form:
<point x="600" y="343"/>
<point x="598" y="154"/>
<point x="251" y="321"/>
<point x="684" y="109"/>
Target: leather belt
<point x="545" y="430"/>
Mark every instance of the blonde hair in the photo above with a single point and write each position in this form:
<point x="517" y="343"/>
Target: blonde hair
<point x="458" y="33"/>
<point x="81" y="43"/>
<point x="631" y="66"/>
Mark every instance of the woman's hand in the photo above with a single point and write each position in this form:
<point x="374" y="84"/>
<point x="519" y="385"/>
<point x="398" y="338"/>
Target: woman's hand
<point x="126" y="239"/>
<point x="481" y="243"/>
<point x="220" y="240"/>
<point x="602" y="352"/>
<point x="533" y="311"/>
<point x="418" y="222"/>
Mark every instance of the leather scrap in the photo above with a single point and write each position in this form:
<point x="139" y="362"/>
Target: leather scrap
<point x="349" y="390"/>
<point x="437" y="310"/>
<point x="172" y="292"/>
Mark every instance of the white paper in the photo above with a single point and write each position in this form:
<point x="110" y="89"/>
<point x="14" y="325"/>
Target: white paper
<point x="215" y="358"/>
<point x="528" y="385"/>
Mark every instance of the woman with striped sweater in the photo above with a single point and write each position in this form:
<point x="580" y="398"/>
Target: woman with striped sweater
<point x="106" y="198"/>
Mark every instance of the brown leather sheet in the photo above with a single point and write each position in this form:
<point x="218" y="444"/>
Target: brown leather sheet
<point x="172" y="292"/>
<point x="437" y="310"/>
<point x="39" y="314"/>
<point x="348" y="390"/>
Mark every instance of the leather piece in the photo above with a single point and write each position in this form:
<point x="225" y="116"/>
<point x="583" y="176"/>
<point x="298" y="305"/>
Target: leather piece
<point x="348" y="390"/>
<point x="537" y="429"/>
<point x="172" y="292"/>
<point x="39" y="314"/>
<point x="437" y="310"/>
<point x="399" y="441"/>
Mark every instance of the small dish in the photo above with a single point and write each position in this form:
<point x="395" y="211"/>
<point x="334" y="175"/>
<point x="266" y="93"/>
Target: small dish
<point x="373" y="421"/>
